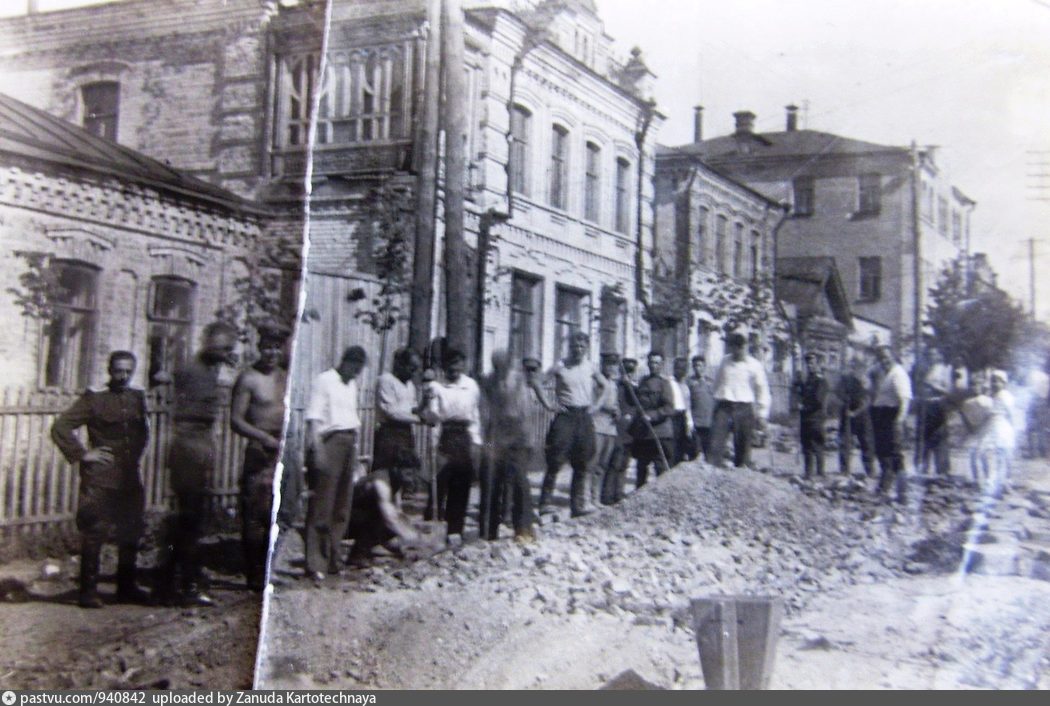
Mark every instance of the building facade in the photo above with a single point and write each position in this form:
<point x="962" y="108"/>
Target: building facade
<point x="870" y="207"/>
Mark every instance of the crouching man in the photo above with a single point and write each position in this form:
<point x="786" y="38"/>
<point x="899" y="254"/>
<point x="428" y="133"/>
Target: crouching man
<point x="111" y="499"/>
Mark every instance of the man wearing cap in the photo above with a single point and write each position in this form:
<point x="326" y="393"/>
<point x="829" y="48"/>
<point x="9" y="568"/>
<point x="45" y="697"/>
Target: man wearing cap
<point x="257" y="413"/>
<point x="702" y="406"/>
<point x="577" y="386"/>
<point x="332" y="428"/>
<point x="812" y="393"/>
<point x="889" y="407"/>
<point x="110" y="499"/>
<point x="652" y="427"/>
<point x="741" y="393"/>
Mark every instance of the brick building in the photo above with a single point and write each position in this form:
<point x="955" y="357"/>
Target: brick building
<point x="143" y="256"/>
<point x="863" y="204"/>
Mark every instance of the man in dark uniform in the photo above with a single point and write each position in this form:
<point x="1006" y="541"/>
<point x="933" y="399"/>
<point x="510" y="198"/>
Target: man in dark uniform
<point x="652" y="426"/>
<point x="111" y="498"/>
<point x="257" y="413"/>
<point x="854" y="394"/>
<point x="812" y="412"/>
<point x="192" y="458"/>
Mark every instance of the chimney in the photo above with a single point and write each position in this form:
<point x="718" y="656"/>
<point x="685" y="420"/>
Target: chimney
<point x="32" y="7"/>
<point x="792" y="118"/>
<point x="745" y="122"/>
<point x="698" y="123"/>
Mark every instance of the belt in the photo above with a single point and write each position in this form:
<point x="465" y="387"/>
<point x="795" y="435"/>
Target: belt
<point x="329" y="434"/>
<point x="396" y="425"/>
<point x="455" y="425"/>
<point x="574" y="410"/>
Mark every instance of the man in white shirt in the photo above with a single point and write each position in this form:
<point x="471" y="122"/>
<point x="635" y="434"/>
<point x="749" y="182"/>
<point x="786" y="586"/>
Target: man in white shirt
<point x="332" y="426"/>
<point x="682" y="421"/>
<point x="394" y="458"/>
<point x="741" y="393"/>
<point x="456" y="404"/>
<point x="577" y="386"/>
<point x="889" y="406"/>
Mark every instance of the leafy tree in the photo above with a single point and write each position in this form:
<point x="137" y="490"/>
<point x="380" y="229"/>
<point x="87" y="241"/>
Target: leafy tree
<point x="981" y="328"/>
<point x="39" y="288"/>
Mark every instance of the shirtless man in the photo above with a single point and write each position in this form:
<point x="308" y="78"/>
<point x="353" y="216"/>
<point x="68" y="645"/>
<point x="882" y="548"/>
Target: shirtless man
<point x="257" y="413"/>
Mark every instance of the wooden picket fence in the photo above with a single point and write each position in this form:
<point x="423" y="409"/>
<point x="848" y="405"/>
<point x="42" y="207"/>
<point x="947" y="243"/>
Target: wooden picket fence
<point x="38" y="488"/>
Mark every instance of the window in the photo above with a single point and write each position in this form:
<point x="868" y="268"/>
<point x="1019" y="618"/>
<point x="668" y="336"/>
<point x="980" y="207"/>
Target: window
<point x="623" y="195"/>
<point x="721" y="223"/>
<point x="592" y="192"/>
<point x="869" y="194"/>
<point x="526" y="307"/>
<point x="101" y="104"/>
<point x="71" y="332"/>
<point x="754" y="261"/>
<point x="362" y="96"/>
<point x="738" y="250"/>
<point x="170" y="324"/>
<point x="756" y="253"/>
<point x="870" y="278"/>
<point x="804" y="195"/>
<point x="701" y="236"/>
<point x="956" y="228"/>
<point x="520" y="120"/>
<point x="613" y="324"/>
<point x="568" y="318"/>
<point x="559" y="183"/>
<point x="942" y="215"/>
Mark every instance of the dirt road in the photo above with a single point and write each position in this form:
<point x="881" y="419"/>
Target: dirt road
<point x="876" y="595"/>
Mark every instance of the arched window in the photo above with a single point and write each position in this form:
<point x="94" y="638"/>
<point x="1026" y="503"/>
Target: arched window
<point x="70" y="335"/>
<point x="592" y="183"/>
<point x="101" y="108"/>
<point x="623" y="195"/>
<point x="170" y="317"/>
<point x="559" y="181"/>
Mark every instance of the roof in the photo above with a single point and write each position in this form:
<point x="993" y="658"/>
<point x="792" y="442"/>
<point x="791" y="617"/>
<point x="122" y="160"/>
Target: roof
<point x="32" y="133"/>
<point x="803" y="281"/>
<point x="789" y="143"/>
<point x="663" y="155"/>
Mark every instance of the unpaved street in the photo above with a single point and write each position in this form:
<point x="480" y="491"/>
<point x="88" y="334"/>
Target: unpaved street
<point x="875" y="595"/>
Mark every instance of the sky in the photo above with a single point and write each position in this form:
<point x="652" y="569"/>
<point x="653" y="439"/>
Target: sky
<point x="970" y="76"/>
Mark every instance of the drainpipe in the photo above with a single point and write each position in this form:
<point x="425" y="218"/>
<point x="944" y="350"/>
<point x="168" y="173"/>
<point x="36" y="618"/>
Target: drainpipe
<point x="531" y="41"/>
<point x="639" y="262"/>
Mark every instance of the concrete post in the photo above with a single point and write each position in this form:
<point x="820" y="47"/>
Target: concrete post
<point x="737" y="639"/>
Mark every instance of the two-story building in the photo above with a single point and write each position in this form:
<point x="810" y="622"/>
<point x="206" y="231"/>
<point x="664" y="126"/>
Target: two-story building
<point x="870" y="207"/>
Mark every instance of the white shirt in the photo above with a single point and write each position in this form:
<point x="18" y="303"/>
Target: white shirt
<point x="743" y="381"/>
<point x="681" y="399"/>
<point x="333" y="403"/>
<point x="894" y="389"/>
<point x="458" y="401"/>
<point x="395" y="400"/>
<point x="574" y="386"/>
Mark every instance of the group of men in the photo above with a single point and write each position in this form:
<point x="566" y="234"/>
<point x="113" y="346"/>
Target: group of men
<point x="111" y="501"/>
<point x="602" y="417"/>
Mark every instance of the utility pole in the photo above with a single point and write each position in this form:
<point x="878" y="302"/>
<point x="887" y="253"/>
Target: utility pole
<point x="920" y="453"/>
<point x="419" y="327"/>
<point x="455" y="124"/>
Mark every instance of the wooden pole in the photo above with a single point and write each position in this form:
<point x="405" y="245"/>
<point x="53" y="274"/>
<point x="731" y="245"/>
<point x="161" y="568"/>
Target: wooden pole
<point x="419" y="327"/>
<point x="454" y="122"/>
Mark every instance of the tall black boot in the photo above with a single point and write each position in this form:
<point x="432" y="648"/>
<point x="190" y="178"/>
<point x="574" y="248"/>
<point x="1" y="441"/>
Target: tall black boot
<point x="89" y="562"/>
<point x="128" y="590"/>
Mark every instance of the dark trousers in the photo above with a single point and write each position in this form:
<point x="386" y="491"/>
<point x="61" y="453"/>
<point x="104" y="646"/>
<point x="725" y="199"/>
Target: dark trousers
<point x="888" y="450"/>
<point x="859" y="429"/>
<point x="648" y="452"/>
<point x="109" y="515"/>
<point x="328" y="512"/>
<point x="510" y="486"/>
<point x="936" y="444"/>
<point x="811" y="437"/>
<point x="256" y="503"/>
<point x="192" y="458"/>
<point x="681" y="439"/>
<point x="739" y="418"/>
<point x="616" y="474"/>
<point x="703" y="442"/>
<point x="455" y="477"/>
<point x="570" y="438"/>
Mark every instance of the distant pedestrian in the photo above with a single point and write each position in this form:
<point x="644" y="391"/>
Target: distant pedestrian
<point x="110" y="499"/>
<point x="682" y="420"/>
<point x="456" y="404"/>
<point x="891" y="398"/>
<point x="333" y="425"/>
<point x="257" y="413"/>
<point x="652" y="429"/>
<point x="192" y="460"/>
<point x="702" y="407"/>
<point x="813" y="394"/>
<point x="854" y="396"/>
<point x="577" y="385"/>
<point x="997" y="437"/>
<point x="742" y="400"/>
<point x="507" y="398"/>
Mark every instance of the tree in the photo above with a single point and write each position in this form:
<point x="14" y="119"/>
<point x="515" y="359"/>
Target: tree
<point x="981" y="328"/>
<point x="39" y="288"/>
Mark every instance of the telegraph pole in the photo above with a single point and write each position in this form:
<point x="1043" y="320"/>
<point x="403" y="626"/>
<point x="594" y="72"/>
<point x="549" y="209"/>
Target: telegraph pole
<point x="455" y="124"/>
<point x="419" y="327"/>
